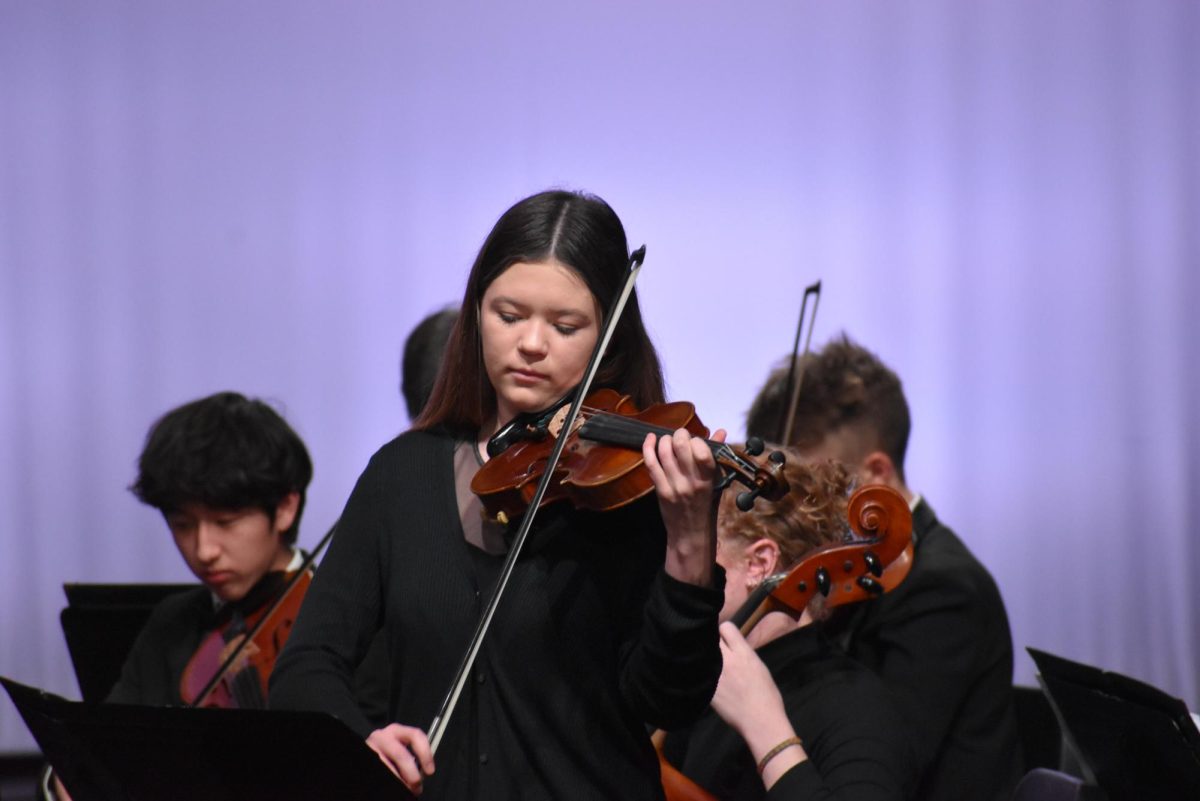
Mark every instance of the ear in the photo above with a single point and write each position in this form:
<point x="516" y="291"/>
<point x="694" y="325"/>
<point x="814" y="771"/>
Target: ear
<point x="285" y="512"/>
<point x="762" y="560"/>
<point x="877" y="468"/>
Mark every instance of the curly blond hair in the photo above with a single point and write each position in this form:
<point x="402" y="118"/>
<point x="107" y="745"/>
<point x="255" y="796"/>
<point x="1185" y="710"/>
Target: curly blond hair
<point x="811" y="515"/>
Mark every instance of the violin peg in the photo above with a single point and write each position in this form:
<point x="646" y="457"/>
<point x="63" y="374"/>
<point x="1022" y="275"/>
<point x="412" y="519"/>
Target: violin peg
<point x="745" y="500"/>
<point x="722" y="483"/>
<point x="777" y="457"/>
<point x="754" y="446"/>
<point x="823" y="582"/>
<point x="873" y="564"/>
<point x="870" y="585"/>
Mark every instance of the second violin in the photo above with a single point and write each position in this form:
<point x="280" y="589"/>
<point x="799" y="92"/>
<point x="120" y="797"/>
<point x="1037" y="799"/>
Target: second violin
<point x="231" y="667"/>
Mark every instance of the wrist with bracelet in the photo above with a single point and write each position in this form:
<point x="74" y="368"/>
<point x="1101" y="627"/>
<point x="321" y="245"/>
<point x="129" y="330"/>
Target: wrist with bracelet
<point x="776" y="751"/>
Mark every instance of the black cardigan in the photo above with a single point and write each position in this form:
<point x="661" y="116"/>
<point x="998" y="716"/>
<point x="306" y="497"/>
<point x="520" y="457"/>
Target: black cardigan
<point x="592" y="640"/>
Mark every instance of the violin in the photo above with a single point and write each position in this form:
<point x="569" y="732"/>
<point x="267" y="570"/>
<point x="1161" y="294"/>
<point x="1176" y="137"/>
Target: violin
<point x="601" y="467"/>
<point x="844" y="573"/>
<point x="231" y="667"/>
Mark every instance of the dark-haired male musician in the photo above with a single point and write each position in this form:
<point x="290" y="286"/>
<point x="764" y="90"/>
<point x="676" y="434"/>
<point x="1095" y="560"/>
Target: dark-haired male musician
<point x="940" y="640"/>
<point x="229" y="476"/>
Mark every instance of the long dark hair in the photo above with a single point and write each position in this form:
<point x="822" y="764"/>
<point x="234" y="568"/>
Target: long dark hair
<point x="581" y="232"/>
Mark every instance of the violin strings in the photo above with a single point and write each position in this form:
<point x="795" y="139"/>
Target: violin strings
<point x="604" y="418"/>
<point x="618" y="429"/>
<point x="608" y="423"/>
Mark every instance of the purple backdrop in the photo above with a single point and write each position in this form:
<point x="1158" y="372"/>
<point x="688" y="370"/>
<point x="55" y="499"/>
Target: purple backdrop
<point x="1001" y="198"/>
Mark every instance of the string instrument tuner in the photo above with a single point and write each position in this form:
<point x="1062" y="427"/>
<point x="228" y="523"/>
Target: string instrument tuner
<point x="870" y="585"/>
<point x="823" y="582"/>
<point x="745" y="500"/>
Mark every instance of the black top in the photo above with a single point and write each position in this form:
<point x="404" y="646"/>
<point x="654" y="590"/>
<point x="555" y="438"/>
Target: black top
<point x="854" y="739"/>
<point x="591" y="642"/>
<point x="152" y="671"/>
<point x="154" y="667"/>
<point x="941" y="643"/>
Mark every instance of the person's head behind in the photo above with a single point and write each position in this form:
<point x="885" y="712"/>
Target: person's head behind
<point x="423" y="351"/>
<point x="851" y="408"/>
<point x="773" y="537"/>
<point x="224" y="452"/>
<point x="580" y="232"/>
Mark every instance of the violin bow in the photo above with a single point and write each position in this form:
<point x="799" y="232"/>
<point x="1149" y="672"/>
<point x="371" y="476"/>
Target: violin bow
<point x="792" y="387"/>
<point x="202" y="696"/>
<point x="440" y="721"/>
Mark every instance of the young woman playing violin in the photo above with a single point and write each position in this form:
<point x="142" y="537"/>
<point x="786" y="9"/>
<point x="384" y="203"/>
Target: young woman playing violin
<point x="609" y="620"/>
<point x="791" y="718"/>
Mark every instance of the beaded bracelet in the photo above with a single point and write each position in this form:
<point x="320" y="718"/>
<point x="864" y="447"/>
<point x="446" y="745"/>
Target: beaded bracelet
<point x="774" y="752"/>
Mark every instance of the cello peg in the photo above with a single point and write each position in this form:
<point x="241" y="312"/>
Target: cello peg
<point x="823" y="582"/>
<point x="870" y="585"/>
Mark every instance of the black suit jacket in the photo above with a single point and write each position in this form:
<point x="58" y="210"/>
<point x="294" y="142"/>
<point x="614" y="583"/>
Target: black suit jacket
<point x="941" y="643"/>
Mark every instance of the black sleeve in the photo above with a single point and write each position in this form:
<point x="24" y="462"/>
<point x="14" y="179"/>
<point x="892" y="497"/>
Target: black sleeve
<point x="860" y="770"/>
<point x="372" y="682"/>
<point x="154" y="666"/>
<point x="857" y="744"/>
<point x="671" y="660"/>
<point x="801" y="783"/>
<point x="341" y="612"/>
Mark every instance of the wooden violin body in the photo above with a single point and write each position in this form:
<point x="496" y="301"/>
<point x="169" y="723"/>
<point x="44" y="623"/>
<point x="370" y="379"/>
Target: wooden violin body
<point x="217" y="677"/>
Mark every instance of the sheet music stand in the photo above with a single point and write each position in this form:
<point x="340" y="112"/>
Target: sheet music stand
<point x="1133" y="740"/>
<point x="115" y="752"/>
<point x="100" y="623"/>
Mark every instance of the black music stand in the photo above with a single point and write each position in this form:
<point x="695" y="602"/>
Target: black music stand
<point x="116" y="752"/>
<point x="1134" y="741"/>
<point x="100" y="623"/>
